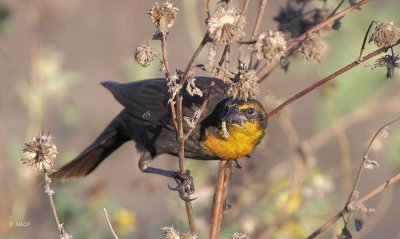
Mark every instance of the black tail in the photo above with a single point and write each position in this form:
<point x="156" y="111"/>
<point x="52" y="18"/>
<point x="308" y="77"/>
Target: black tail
<point x="109" y="140"/>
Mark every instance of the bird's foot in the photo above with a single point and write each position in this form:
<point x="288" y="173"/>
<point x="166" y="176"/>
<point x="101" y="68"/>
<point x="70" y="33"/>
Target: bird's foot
<point x="185" y="185"/>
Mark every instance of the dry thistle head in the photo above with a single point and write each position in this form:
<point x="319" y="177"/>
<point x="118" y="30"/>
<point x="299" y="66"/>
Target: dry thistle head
<point x="390" y="62"/>
<point x="40" y="153"/>
<point x="144" y="55"/>
<point x="240" y="235"/>
<point x="246" y="86"/>
<point x="226" y="25"/>
<point x="386" y="34"/>
<point x="271" y="46"/>
<point x="291" y="19"/>
<point x="172" y="233"/>
<point x="312" y="48"/>
<point x="164" y="16"/>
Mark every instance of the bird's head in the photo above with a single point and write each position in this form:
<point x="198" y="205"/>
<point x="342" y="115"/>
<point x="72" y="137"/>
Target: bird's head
<point x="243" y="118"/>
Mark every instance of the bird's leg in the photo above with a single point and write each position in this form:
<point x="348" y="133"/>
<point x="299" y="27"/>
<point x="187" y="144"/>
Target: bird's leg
<point x="185" y="185"/>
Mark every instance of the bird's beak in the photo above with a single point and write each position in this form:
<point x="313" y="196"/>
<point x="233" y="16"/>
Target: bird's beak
<point x="234" y="117"/>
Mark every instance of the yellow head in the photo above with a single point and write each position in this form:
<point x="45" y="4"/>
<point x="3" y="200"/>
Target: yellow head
<point x="245" y="122"/>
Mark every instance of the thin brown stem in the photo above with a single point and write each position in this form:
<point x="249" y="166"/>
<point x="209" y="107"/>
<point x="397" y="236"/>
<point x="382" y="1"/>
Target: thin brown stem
<point x="260" y="15"/>
<point x="369" y="195"/>
<point x="194" y="56"/>
<point x="365" y="39"/>
<point x="164" y="56"/>
<point x="181" y="157"/>
<point x="220" y="192"/>
<point x="365" y="157"/>
<point x="50" y="193"/>
<point x="328" y="78"/>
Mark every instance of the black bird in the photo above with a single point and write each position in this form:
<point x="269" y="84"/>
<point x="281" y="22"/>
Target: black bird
<point x="227" y="130"/>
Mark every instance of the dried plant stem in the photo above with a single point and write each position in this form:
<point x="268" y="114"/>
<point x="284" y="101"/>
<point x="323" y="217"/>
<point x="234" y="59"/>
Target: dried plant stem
<point x="367" y="196"/>
<point x="194" y="56"/>
<point x="220" y="192"/>
<point x="266" y="69"/>
<point x="181" y="157"/>
<point x="261" y="10"/>
<point x="328" y="78"/>
<point x="109" y="224"/>
<point x="363" y="199"/>
<point x="365" y="157"/>
<point x="365" y="39"/>
<point x="50" y="192"/>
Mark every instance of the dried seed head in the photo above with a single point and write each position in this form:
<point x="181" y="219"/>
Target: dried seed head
<point x="144" y="55"/>
<point x="226" y="25"/>
<point x="312" y="48"/>
<point x="291" y="19"/>
<point x="271" y="46"/>
<point x="40" y="153"/>
<point x="163" y="16"/>
<point x="386" y="34"/>
<point x="390" y="62"/>
<point x="245" y="87"/>
<point x="172" y="233"/>
<point x="240" y="235"/>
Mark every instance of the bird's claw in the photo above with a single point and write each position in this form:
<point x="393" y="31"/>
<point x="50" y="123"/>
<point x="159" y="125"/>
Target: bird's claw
<point x="185" y="186"/>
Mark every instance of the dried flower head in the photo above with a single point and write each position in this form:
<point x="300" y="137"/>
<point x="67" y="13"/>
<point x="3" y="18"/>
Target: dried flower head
<point x="390" y="62"/>
<point x="320" y="15"/>
<point x="172" y="233"/>
<point x="40" y="153"/>
<point x="291" y="19"/>
<point x="144" y="55"/>
<point x="312" y="48"/>
<point x="246" y="86"/>
<point x="226" y="25"/>
<point x="386" y="34"/>
<point x="164" y="16"/>
<point x="271" y="46"/>
<point x="240" y="235"/>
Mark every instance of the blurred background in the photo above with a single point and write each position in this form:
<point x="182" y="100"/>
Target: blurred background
<point x="54" y="54"/>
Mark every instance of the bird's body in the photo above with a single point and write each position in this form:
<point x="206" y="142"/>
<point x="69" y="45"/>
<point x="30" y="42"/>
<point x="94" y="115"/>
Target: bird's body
<point x="146" y="119"/>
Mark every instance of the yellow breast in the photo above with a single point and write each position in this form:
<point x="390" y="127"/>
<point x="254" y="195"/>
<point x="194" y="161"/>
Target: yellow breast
<point x="242" y="140"/>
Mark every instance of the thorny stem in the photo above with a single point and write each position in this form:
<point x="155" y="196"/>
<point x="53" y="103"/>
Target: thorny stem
<point x="367" y="196"/>
<point x="265" y="70"/>
<point x="50" y="192"/>
<point x="328" y="78"/>
<point x="109" y="224"/>
<point x="220" y="192"/>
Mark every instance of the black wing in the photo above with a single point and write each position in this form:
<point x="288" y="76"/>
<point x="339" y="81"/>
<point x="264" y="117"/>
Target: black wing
<point x="148" y="99"/>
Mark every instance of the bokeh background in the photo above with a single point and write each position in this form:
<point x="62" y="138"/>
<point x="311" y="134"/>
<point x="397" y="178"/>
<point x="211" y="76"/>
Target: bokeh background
<point x="54" y="54"/>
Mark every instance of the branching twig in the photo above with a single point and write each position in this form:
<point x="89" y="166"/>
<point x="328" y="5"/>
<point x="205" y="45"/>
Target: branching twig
<point x="352" y="204"/>
<point x="109" y="224"/>
<point x="328" y="78"/>
<point x="265" y="70"/>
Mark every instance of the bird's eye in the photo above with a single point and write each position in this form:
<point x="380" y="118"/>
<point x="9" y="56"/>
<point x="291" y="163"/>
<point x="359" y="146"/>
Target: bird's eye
<point x="250" y="112"/>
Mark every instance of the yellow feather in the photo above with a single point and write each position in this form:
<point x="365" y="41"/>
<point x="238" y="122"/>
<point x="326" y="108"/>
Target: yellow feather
<point x="242" y="141"/>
